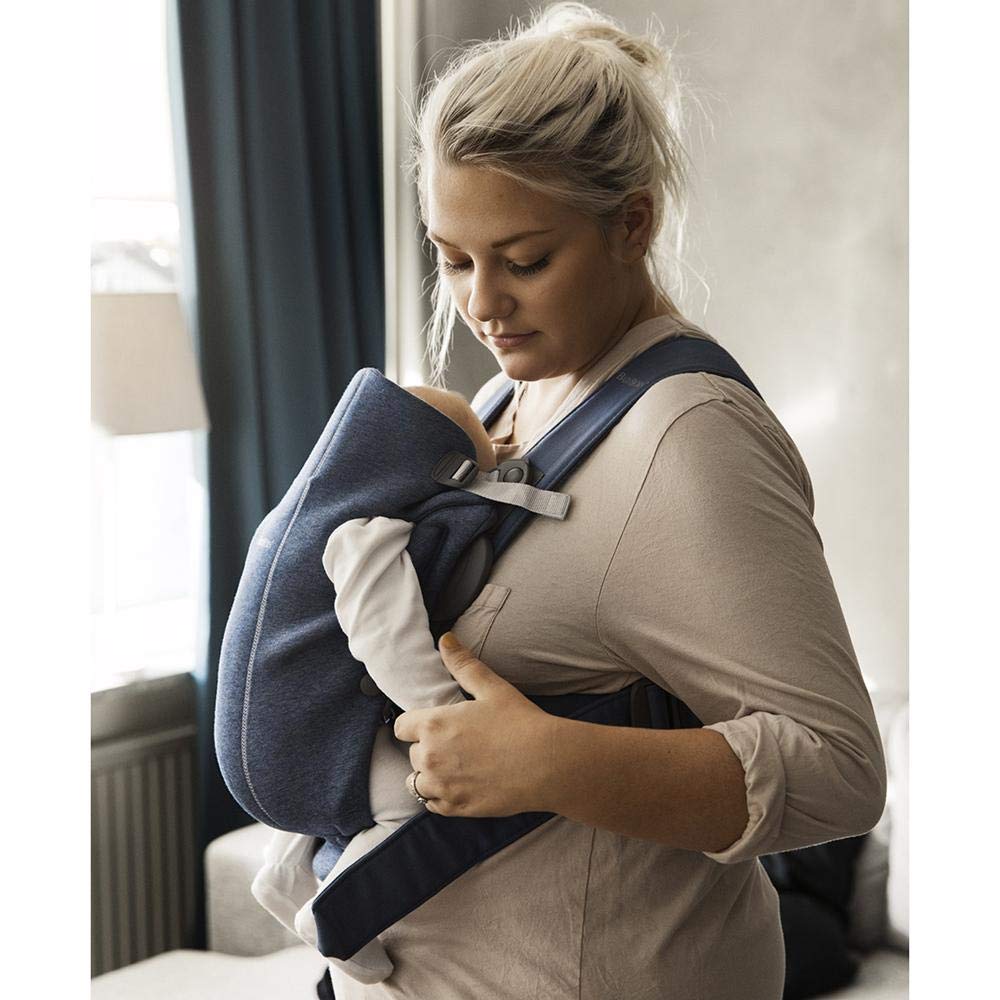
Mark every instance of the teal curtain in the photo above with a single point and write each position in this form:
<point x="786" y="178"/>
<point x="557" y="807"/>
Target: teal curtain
<point x="276" y="131"/>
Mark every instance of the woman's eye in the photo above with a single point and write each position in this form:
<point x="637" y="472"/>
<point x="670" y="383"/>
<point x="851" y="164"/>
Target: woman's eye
<point x="518" y="269"/>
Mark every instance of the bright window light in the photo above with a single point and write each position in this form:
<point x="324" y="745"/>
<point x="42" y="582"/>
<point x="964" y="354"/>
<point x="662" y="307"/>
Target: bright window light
<point x="149" y="501"/>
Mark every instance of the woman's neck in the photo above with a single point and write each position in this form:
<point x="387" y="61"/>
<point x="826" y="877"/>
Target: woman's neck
<point x="547" y="394"/>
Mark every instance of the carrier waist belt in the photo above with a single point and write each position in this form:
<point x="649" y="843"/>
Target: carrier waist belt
<point x="429" y="851"/>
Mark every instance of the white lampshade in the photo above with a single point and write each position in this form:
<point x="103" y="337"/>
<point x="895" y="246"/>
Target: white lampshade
<point x="143" y="373"/>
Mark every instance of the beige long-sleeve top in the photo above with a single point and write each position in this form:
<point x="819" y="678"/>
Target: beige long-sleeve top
<point x="689" y="556"/>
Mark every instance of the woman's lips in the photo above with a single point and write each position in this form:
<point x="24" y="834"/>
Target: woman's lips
<point x="513" y="341"/>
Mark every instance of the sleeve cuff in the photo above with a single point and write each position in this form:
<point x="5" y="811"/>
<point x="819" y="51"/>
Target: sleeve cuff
<point x="757" y="750"/>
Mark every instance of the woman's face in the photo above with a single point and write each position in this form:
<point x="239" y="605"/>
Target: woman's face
<point x="560" y="284"/>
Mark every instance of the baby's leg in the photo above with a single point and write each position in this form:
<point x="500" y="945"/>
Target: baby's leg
<point x="285" y="882"/>
<point x="392" y="805"/>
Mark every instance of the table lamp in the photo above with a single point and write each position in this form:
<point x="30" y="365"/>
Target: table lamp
<point x="143" y="374"/>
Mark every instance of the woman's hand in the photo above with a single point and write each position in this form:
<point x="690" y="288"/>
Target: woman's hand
<point x="488" y="757"/>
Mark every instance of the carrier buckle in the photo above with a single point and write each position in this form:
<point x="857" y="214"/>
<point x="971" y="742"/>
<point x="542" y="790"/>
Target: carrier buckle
<point x="514" y="470"/>
<point x="454" y="469"/>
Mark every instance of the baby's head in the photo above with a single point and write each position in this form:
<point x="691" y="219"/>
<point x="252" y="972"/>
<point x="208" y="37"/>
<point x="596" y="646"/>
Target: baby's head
<point x="454" y="406"/>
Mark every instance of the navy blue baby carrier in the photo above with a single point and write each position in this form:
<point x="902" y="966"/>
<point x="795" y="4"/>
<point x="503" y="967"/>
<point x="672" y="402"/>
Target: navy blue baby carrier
<point x="297" y="715"/>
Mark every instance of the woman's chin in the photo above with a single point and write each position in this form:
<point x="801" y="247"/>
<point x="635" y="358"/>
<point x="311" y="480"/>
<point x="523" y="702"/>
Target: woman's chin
<point x="517" y="372"/>
<point x="519" y="364"/>
<point x="517" y="368"/>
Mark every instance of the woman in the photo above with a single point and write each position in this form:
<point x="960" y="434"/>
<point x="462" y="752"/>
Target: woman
<point x="548" y="168"/>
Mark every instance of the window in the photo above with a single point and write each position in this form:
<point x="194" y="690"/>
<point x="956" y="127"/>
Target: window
<point x="149" y="498"/>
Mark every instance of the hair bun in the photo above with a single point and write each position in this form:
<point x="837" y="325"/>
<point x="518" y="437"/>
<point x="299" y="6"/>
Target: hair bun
<point x="581" y="23"/>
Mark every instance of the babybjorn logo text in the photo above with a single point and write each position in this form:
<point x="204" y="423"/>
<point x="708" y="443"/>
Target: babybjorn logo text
<point x="629" y="380"/>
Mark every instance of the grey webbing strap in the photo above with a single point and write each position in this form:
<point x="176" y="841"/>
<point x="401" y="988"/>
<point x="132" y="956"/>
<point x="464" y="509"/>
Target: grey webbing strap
<point x="462" y="473"/>
<point x="548" y="503"/>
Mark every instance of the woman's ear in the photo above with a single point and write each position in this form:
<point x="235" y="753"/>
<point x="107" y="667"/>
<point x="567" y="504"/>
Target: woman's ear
<point x="629" y="236"/>
<point x="635" y="228"/>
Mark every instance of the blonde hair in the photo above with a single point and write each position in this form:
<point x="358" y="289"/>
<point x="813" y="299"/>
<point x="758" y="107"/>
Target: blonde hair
<point x="573" y="107"/>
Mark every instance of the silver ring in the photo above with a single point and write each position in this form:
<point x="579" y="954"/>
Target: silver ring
<point x="411" y="787"/>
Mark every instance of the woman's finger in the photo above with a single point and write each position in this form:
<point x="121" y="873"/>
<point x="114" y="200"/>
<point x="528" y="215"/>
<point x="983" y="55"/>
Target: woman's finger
<point x="426" y="786"/>
<point x="407" y="724"/>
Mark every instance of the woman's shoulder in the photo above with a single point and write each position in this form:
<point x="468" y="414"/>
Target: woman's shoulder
<point x="732" y="407"/>
<point x="721" y="418"/>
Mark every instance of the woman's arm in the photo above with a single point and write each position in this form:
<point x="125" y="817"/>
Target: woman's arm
<point x="499" y="754"/>
<point x="684" y="788"/>
<point x="719" y="591"/>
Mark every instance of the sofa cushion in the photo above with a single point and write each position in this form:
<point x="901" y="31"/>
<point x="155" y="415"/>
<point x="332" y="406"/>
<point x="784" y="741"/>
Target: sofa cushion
<point x="237" y="923"/>
<point x="869" y="902"/>
<point x="197" y="975"/>
<point x="868" y="913"/>
<point x="882" y="975"/>
<point x="898" y="751"/>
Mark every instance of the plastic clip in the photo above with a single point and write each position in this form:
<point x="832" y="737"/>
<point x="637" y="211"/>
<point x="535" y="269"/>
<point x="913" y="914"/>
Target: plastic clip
<point x="454" y="469"/>
<point x="514" y="470"/>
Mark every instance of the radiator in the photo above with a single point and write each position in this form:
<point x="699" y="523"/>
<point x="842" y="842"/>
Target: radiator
<point x="142" y="846"/>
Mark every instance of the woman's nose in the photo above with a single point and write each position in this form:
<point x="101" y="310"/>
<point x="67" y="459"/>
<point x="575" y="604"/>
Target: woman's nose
<point x="488" y="300"/>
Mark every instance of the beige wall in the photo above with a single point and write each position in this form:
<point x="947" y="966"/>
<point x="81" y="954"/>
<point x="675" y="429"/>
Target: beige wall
<point x="799" y="227"/>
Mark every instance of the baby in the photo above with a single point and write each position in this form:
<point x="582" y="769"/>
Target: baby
<point x="380" y="607"/>
<point x="454" y="405"/>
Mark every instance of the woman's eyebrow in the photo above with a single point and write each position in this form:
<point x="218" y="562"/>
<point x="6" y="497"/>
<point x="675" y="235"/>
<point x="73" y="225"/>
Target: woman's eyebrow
<point x="499" y="243"/>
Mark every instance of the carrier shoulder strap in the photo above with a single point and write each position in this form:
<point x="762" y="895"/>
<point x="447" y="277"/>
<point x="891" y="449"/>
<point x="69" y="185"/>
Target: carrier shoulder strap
<point x="554" y="457"/>
<point x="570" y="441"/>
